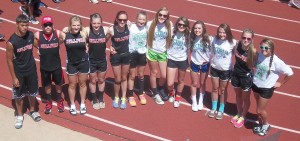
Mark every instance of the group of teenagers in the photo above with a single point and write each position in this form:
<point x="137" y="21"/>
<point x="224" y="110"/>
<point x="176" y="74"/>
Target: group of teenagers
<point x="160" y="43"/>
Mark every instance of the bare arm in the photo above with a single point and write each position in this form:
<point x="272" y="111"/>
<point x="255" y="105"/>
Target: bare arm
<point x="9" y="59"/>
<point x="36" y="40"/>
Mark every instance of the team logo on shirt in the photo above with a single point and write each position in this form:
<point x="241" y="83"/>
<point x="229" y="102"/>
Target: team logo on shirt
<point x="22" y="49"/>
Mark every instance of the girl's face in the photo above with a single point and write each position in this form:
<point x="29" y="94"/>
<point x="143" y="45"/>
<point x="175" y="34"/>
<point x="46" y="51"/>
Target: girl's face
<point x="122" y="20"/>
<point x="141" y="20"/>
<point x="181" y="26"/>
<point x="75" y="26"/>
<point x="222" y="34"/>
<point x="265" y="49"/>
<point x="246" y="39"/>
<point x="96" y="23"/>
<point x="198" y="30"/>
<point x="162" y="16"/>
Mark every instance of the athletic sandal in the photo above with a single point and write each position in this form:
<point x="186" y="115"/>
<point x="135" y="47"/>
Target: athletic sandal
<point x="19" y="122"/>
<point x="234" y="119"/>
<point x="263" y="131"/>
<point x="195" y="107"/>
<point x="123" y="103"/>
<point x="211" y="113"/>
<point x="35" y="116"/>
<point x="131" y="101"/>
<point x="143" y="99"/>
<point x="116" y="102"/>
<point x="219" y="115"/>
<point x="102" y="105"/>
<point x="240" y="122"/>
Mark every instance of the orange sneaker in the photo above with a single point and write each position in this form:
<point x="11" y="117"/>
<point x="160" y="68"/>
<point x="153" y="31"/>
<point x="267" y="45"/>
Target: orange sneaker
<point x="143" y="99"/>
<point x="132" y="101"/>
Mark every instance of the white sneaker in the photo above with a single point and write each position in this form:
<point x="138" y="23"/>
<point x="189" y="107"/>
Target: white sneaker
<point x="194" y="107"/>
<point x="94" y="1"/>
<point x="200" y="106"/>
<point x="176" y="104"/>
<point x="158" y="99"/>
<point x="171" y="99"/>
<point x="109" y="1"/>
<point x="19" y="122"/>
<point x="82" y="110"/>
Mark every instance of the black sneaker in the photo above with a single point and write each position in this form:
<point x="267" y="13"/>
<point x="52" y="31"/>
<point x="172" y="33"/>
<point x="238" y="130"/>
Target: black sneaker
<point x="24" y="10"/>
<point x="1" y="36"/>
<point x="263" y="131"/>
<point x="163" y="94"/>
<point x="256" y="128"/>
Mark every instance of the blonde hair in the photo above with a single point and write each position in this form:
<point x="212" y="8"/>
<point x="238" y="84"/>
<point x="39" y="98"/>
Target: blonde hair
<point x="251" y="49"/>
<point x="76" y="18"/>
<point x="153" y="25"/>
<point x="270" y="43"/>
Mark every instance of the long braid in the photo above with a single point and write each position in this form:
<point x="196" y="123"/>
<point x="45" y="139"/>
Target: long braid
<point x="272" y="47"/>
<point x="270" y="64"/>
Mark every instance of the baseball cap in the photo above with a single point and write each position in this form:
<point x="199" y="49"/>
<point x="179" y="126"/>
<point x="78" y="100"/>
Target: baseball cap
<point x="47" y="19"/>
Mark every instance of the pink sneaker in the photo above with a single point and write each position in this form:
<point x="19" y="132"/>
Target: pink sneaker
<point x="234" y="119"/>
<point x="240" y="122"/>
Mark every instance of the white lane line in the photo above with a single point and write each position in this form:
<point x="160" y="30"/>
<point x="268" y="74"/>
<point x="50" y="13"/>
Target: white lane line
<point x="261" y="35"/>
<point x="148" y="134"/>
<point x="106" y="121"/>
<point x="243" y="11"/>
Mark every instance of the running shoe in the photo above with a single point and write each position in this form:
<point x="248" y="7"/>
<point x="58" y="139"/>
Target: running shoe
<point x="234" y="119"/>
<point x="83" y="110"/>
<point x="19" y="122"/>
<point x="240" y="122"/>
<point x="195" y="107"/>
<point x="163" y="94"/>
<point x="35" y="116"/>
<point x="48" y="107"/>
<point x="116" y="102"/>
<point x="131" y="101"/>
<point x="158" y="99"/>
<point x="256" y="129"/>
<point x="73" y="112"/>
<point x="24" y="11"/>
<point x="123" y="103"/>
<point x="219" y="115"/>
<point x="211" y="113"/>
<point x="102" y="104"/>
<point x="176" y="104"/>
<point x="171" y="96"/>
<point x="263" y="131"/>
<point x="60" y="105"/>
<point x="96" y="104"/>
<point x="143" y="99"/>
<point x="1" y="36"/>
<point x="200" y="106"/>
<point x="94" y="1"/>
<point x="34" y="21"/>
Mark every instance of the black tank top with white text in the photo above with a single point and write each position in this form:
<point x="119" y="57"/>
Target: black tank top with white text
<point x="49" y="51"/>
<point x="240" y="65"/>
<point x="76" y="48"/>
<point x="97" y="45"/>
<point x="23" y="57"/>
<point x="120" y="40"/>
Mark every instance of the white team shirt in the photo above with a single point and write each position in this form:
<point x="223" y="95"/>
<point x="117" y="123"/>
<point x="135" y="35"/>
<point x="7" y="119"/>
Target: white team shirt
<point x="278" y="67"/>
<point x="222" y="53"/>
<point x="137" y="39"/>
<point x="200" y="54"/>
<point x="178" y="49"/>
<point x="160" y="37"/>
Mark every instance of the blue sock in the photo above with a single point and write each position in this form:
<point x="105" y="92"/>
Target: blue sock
<point x="221" y="108"/>
<point x="214" y="105"/>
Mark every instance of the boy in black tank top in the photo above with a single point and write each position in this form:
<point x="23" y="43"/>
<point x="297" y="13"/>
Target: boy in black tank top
<point x="47" y="42"/>
<point x="22" y="68"/>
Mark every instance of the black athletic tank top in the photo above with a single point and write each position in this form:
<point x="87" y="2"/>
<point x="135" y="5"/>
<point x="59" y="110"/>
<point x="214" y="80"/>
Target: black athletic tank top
<point x="120" y="40"/>
<point x="97" y="45"/>
<point x="240" y="65"/>
<point x="49" y="52"/>
<point x="23" y="58"/>
<point x="75" y="46"/>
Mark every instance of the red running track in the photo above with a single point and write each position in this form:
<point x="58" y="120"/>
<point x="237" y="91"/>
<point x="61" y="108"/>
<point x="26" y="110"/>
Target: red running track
<point x="155" y="122"/>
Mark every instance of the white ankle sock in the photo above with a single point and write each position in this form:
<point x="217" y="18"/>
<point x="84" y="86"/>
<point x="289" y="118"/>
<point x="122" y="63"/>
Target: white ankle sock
<point x="194" y="99"/>
<point x="72" y="106"/>
<point x="82" y="105"/>
<point x="201" y="98"/>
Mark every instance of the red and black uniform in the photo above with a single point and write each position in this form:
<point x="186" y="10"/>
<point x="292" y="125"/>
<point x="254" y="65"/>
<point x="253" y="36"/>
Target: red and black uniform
<point x="24" y="65"/>
<point x="77" y="58"/>
<point x="120" y="41"/>
<point x="242" y="76"/>
<point x="50" y="59"/>
<point x="97" y="54"/>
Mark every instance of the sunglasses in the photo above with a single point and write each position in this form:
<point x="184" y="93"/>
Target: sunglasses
<point x="162" y="15"/>
<point x="122" y="20"/>
<point x="265" y="48"/>
<point x="245" y="38"/>
<point x="181" y="25"/>
<point x="47" y="24"/>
